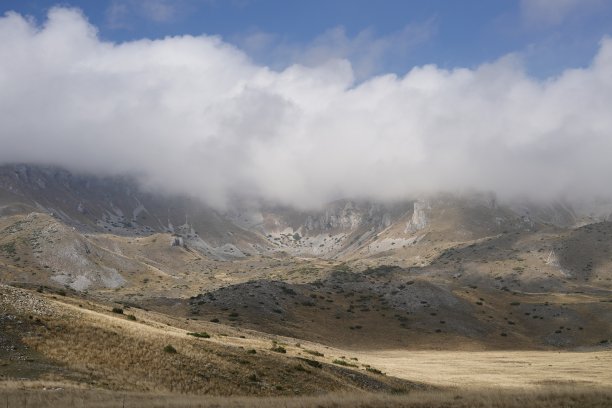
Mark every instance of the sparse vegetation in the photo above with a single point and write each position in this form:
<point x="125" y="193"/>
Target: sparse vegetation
<point x="374" y="371"/>
<point x="279" y="349"/>
<point x="9" y="248"/>
<point x="312" y="363"/>
<point x="570" y="397"/>
<point x="170" y="349"/>
<point x="202" y="335"/>
<point x="344" y="363"/>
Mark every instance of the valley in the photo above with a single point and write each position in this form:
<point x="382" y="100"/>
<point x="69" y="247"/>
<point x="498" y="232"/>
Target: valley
<point x="403" y="303"/>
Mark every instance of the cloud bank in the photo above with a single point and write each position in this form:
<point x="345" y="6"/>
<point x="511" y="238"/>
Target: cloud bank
<point x="196" y="115"/>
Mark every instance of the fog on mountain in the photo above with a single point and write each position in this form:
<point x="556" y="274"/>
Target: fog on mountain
<point x="195" y="115"/>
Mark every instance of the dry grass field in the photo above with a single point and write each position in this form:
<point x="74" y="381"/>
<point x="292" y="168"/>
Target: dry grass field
<point x="52" y="395"/>
<point x="107" y="359"/>
<point x="503" y="369"/>
<point x="136" y="350"/>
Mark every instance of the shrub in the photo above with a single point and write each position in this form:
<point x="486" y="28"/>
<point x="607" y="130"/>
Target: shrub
<point x="252" y="351"/>
<point x="279" y="349"/>
<point x="117" y="310"/>
<point x="312" y="363"/>
<point x="343" y="363"/>
<point x="374" y="370"/>
<point x="169" y="349"/>
<point x="131" y="317"/>
<point x="315" y="353"/>
<point x="9" y="248"/>
<point x="202" y="335"/>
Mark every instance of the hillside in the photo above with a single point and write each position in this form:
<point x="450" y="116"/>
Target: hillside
<point x="55" y="338"/>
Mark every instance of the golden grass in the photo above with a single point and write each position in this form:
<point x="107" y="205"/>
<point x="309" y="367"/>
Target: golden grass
<point x="117" y="359"/>
<point x="109" y="351"/>
<point x="34" y="395"/>
<point x="510" y="369"/>
<point x="129" y="359"/>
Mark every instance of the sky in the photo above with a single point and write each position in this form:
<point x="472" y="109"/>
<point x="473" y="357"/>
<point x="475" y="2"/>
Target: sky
<point x="301" y="103"/>
<point x="550" y="34"/>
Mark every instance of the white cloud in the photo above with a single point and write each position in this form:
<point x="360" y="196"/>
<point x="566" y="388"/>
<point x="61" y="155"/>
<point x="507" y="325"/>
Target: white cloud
<point x="196" y="115"/>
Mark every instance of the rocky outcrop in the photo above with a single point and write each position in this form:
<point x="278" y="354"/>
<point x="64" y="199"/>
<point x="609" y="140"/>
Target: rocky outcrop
<point x="419" y="217"/>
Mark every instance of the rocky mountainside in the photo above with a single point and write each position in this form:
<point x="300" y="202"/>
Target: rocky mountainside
<point x="341" y="229"/>
<point x="435" y="270"/>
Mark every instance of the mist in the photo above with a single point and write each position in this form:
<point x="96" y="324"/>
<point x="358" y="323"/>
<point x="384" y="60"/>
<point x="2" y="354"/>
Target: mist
<point x="196" y="115"/>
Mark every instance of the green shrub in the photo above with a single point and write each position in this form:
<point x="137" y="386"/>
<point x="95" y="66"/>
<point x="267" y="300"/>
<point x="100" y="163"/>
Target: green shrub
<point x="279" y="349"/>
<point x="312" y="363"/>
<point x="169" y="349"/>
<point x="374" y="370"/>
<point x="9" y="248"/>
<point x="202" y="335"/>
<point x="117" y="310"/>
<point x="315" y="353"/>
<point x="131" y="317"/>
<point x="343" y="363"/>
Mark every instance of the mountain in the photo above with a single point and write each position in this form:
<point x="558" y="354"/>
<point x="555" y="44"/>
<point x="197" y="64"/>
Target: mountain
<point x="93" y="230"/>
<point x="116" y="205"/>
<point x="83" y="256"/>
<point x="410" y="261"/>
